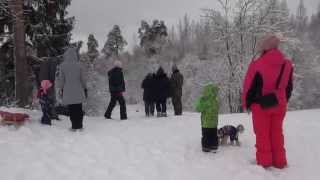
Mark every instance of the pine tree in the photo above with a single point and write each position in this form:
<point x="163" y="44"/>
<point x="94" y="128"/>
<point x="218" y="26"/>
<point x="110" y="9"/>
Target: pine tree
<point x="301" y="18"/>
<point x="314" y="29"/>
<point x="46" y="26"/>
<point x="115" y="42"/>
<point x="93" y="45"/>
<point x="50" y="28"/>
<point x="153" y="37"/>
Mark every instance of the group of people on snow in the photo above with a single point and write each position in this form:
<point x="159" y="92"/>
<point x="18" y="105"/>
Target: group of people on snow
<point x="71" y="83"/>
<point x="266" y="91"/>
<point x="157" y="88"/>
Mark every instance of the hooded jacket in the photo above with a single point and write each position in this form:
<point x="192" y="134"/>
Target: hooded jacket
<point x="148" y="86"/>
<point x="116" y="80"/>
<point x="72" y="79"/>
<point x="262" y="75"/>
<point x="208" y="106"/>
<point x="162" y="85"/>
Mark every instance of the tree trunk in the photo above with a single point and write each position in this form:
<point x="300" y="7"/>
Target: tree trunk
<point x="21" y="66"/>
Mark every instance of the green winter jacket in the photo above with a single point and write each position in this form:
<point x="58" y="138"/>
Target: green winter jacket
<point x="208" y="105"/>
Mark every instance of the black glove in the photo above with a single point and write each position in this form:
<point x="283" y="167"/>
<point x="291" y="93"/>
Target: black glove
<point x="86" y="93"/>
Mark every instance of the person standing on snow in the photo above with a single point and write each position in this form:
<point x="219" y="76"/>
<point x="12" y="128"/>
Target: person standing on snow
<point x="266" y="91"/>
<point x="73" y="88"/>
<point x="176" y="82"/>
<point x="45" y="101"/>
<point x="208" y="106"/>
<point x="148" y="93"/>
<point x="162" y="88"/>
<point x="48" y="72"/>
<point x="117" y="88"/>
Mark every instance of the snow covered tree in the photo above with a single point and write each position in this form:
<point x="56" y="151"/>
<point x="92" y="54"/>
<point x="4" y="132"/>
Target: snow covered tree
<point x="153" y="37"/>
<point x="184" y="28"/>
<point x="7" y="85"/>
<point x="12" y="34"/>
<point x="93" y="45"/>
<point x="50" y="28"/>
<point x="301" y="18"/>
<point x="314" y="28"/>
<point x="46" y="28"/>
<point x="115" y="42"/>
<point x="236" y="31"/>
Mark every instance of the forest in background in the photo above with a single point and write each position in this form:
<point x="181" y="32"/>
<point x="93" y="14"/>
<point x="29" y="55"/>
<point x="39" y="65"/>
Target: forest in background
<point x="215" y="48"/>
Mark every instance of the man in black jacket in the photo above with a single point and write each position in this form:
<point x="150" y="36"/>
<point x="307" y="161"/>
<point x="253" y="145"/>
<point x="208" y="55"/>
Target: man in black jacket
<point x="116" y="88"/>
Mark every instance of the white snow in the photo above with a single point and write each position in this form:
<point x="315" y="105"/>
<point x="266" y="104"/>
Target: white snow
<point x="150" y="149"/>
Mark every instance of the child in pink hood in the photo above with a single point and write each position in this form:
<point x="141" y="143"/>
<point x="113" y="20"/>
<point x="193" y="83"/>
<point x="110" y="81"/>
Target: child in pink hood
<point x="46" y="101"/>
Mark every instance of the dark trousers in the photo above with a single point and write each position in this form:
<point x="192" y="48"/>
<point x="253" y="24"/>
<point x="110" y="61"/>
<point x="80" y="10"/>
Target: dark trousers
<point x="209" y="138"/>
<point x="46" y="107"/>
<point x="76" y="115"/>
<point x="177" y="105"/>
<point x="149" y="108"/>
<point x="112" y="104"/>
<point x="161" y="106"/>
<point x="52" y="94"/>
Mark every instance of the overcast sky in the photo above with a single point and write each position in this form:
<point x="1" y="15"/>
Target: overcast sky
<point x="99" y="16"/>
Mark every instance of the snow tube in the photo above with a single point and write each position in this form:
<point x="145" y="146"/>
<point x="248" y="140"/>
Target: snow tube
<point x="13" y="117"/>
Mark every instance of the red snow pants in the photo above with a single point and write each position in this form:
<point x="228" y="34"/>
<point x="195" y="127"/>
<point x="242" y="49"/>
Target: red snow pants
<point x="267" y="125"/>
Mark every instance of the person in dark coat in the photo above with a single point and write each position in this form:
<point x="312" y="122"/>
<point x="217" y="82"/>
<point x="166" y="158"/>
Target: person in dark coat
<point x="176" y="82"/>
<point x="48" y="72"/>
<point x="45" y="101"/>
<point x="73" y="88"/>
<point x="116" y="88"/>
<point x="148" y="94"/>
<point x="162" y="88"/>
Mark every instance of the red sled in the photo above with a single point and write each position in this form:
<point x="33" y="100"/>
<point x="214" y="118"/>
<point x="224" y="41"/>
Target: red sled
<point x="17" y="119"/>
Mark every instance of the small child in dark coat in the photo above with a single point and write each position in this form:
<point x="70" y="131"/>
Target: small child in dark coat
<point x="46" y="102"/>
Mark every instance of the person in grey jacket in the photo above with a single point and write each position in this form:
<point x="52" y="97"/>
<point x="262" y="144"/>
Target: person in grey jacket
<point x="72" y="85"/>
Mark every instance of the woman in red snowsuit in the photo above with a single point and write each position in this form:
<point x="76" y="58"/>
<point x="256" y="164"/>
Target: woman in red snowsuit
<point x="270" y="73"/>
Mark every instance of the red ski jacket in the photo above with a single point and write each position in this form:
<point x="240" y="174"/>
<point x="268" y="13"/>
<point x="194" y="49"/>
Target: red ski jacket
<point x="262" y="75"/>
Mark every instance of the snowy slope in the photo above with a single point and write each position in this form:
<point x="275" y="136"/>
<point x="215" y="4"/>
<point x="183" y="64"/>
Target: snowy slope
<point x="150" y="149"/>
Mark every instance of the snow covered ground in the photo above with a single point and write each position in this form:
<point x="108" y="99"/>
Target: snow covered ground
<point x="150" y="149"/>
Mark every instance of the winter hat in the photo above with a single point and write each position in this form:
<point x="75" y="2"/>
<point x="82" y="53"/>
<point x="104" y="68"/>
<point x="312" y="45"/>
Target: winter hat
<point x="117" y="63"/>
<point x="174" y="67"/>
<point x="45" y="85"/>
<point x="160" y="71"/>
<point x="270" y="41"/>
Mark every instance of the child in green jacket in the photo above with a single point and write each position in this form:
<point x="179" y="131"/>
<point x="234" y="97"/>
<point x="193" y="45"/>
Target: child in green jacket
<point x="208" y="106"/>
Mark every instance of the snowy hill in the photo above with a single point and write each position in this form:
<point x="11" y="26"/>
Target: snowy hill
<point x="150" y="149"/>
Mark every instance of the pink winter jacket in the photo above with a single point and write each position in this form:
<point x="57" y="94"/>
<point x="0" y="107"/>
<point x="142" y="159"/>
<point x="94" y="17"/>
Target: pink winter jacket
<point x="262" y="78"/>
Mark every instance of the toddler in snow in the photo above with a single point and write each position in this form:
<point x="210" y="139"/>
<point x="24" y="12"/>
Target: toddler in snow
<point x="45" y="101"/>
<point x="208" y="106"/>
